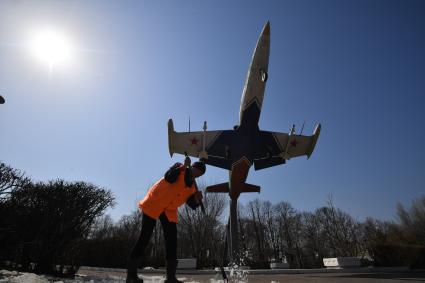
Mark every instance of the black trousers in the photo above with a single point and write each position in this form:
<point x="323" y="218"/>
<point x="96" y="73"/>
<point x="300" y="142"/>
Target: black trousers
<point x="170" y="235"/>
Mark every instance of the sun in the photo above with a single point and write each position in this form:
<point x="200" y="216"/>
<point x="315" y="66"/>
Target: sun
<point x="51" y="47"/>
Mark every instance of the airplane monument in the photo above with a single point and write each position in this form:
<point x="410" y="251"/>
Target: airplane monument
<point x="246" y="145"/>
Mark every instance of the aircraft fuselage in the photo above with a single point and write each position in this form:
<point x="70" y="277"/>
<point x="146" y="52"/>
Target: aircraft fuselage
<point x="244" y="141"/>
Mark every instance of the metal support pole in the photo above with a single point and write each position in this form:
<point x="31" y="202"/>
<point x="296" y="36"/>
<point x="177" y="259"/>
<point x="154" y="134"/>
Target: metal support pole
<point x="234" y="243"/>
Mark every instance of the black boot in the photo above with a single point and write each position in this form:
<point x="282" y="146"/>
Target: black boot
<point x="171" y="272"/>
<point x="132" y="271"/>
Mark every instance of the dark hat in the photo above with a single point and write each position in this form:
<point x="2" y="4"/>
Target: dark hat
<point x="200" y="165"/>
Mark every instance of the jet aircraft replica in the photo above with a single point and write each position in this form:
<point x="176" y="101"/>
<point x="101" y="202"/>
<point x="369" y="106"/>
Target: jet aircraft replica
<point x="246" y="145"/>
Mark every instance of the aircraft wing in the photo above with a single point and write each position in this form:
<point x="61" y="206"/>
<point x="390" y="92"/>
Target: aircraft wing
<point x="190" y="143"/>
<point x="278" y="147"/>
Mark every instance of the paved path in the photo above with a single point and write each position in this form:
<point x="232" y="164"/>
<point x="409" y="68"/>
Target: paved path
<point x="374" y="277"/>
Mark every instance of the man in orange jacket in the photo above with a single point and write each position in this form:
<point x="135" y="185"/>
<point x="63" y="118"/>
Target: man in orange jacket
<point x="162" y="201"/>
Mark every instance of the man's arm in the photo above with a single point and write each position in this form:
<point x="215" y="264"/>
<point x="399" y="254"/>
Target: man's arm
<point x="192" y="203"/>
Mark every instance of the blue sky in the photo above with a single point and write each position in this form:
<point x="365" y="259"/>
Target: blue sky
<point x="358" y="67"/>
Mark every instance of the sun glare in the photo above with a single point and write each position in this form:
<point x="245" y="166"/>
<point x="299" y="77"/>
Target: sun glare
<point x="51" y="48"/>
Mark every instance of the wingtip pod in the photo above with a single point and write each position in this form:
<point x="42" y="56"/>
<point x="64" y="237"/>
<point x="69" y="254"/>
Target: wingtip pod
<point x="314" y="137"/>
<point x="171" y="137"/>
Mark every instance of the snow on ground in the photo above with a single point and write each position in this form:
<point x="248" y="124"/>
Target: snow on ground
<point x="23" y="277"/>
<point x="18" y="277"/>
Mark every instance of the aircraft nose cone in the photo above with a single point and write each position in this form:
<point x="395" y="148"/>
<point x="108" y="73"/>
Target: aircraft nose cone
<point x="266" y="29"/>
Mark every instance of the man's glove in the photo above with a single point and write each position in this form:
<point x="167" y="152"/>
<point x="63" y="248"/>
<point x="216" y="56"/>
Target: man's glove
<point x="198" y="197"/>
<point x="173" y="173"/>
<point x="187" y="161"/>
<point x="194" y="200"/>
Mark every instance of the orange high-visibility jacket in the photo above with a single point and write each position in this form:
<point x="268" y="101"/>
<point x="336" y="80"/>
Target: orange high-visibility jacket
<point x="166" y="197"/>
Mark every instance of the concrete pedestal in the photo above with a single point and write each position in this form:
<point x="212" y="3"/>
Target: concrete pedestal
<point x="186" y="263"/>
<point x="279" y="265"/>
<point x="341" y="262"/>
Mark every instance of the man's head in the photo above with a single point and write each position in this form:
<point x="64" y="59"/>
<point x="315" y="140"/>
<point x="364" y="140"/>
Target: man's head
<point x="198" y="169"/>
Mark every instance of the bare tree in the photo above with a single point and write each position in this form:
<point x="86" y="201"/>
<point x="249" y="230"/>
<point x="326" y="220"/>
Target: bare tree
<point x="200" y="235"/>
<point x="271" y="233"/>
<point x="102" y="228"/>
<point x="316" y="245"/>
<point x="254" y="213"/>
<point x="412" y="221"/>
<point x="10" y="179"/>
<point x="288" y="222"/>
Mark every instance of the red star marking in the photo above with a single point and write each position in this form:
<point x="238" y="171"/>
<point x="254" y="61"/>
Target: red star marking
<point x="194" y="141"/>
<point x="294" y="143"/>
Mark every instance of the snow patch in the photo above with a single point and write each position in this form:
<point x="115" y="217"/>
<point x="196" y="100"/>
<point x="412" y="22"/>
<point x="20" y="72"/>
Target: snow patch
<point x="153" y="279"/>
<point x="15" y="277"/>
<point x="21" y="277"/>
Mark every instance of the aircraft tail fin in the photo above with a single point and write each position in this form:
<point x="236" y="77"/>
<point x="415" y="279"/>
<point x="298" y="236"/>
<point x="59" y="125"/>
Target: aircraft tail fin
<point x="224" y="188"/>
<point x="219" y="188"/>
<point x="249" y="188"/>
